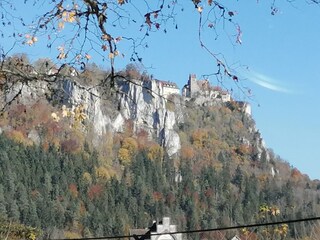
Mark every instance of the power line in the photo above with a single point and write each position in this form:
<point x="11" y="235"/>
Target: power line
<point x="200" y="230"/>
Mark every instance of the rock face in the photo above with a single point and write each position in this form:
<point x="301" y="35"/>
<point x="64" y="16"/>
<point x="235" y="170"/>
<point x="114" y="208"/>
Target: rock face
<point x="74" y="95"/>
<point x="144" y="104"/>
<point x="140" y="102"/>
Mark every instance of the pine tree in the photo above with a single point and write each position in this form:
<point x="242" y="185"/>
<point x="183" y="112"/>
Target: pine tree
<point x="250" y="198"/>
<point x="3" y="210"/>
<point x="238" y="178"/>
<point x="23" y="203"/>
<point x="33" y="219"/>
<point x="14" y="213"/>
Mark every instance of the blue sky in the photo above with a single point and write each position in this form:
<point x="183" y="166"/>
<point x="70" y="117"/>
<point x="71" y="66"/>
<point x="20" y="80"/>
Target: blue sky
<point x="277" y="60"/>
<point x="281" y="53"/>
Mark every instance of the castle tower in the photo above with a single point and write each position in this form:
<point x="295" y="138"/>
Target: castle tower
<point x="194" y="87"/>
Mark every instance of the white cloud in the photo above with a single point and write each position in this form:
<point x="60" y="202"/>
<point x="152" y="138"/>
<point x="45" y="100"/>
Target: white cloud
<point x="267" y="82"/>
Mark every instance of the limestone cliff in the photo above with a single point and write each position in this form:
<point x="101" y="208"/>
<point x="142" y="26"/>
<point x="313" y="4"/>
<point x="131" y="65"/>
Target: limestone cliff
<point x="141" y="102"/>
<point x="137" y="101"/>
<point x="144" y="104"/>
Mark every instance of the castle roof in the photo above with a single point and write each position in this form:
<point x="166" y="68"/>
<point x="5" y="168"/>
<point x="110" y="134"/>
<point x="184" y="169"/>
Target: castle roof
<point x="167" y="83"/>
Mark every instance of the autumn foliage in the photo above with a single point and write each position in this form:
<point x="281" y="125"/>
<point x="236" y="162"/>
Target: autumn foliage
<point x="127" y="150"/>
<point x="95" y="191"/>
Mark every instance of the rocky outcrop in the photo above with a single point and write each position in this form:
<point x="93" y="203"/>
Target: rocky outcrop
<point x="138" y="101"/>
<point x="144" y="104"/>
<point x="73" y="95"/>
<point x="141" y="102"/>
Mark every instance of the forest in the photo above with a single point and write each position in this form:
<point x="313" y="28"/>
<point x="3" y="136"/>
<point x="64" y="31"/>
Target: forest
<point x="59" y="180"/>
<point x="59" y="185"/>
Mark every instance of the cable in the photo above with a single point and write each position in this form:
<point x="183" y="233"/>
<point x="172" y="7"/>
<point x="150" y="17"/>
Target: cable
<point x="200" y="230"/>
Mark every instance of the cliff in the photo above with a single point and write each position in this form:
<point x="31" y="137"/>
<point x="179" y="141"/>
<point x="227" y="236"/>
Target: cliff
<point x="141" y="102"/>
<point x="77" y="154"/>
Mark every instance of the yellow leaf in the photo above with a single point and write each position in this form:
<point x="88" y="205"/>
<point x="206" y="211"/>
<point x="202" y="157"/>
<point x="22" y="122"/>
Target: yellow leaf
<point x="60" y="7"/>
<point x="61" y="48"/>
<point x="200" y="9"/>
<point x="62" y="55"/>
<point x="82" y="116"/>
<point x="106" y="37"/>
<point x="55" y="117"/>
<point x="34" y="39"/>
<point x="29" y="42"/>
<point x="61" y="25"/>
<point x="65" y="111"/>
<point x="30" y="39"/>
<point x="71" y="17"/>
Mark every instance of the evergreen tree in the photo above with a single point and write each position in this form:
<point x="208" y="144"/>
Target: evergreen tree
<point x="250" y="199"/>
<point x="59" y="214"/>
<point x="226" y="177"/>
<point x="3" y="210"/>
<point x="14" y="213"/>
<point x="23" y="203"/>
<point x="33" y="219"/>
<point x="238" y="178"/>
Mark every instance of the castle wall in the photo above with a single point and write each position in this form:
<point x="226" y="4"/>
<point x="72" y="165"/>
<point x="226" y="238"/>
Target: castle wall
<point x="225" y="97"/>
<point x="167" y="88"/>
<point x="170" y="90"/>
<point x="186" y="91"/>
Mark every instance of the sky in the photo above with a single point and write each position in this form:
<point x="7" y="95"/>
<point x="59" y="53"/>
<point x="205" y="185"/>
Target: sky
<point x="277" y="60"/>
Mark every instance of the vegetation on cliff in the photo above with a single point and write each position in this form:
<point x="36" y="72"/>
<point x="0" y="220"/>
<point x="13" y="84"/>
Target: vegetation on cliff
<point x="54" y="179"/>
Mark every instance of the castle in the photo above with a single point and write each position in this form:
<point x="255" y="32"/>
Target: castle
<point x="196" y="87"/>
<point x="201" y="88"/>
<point x="168" y="88"/>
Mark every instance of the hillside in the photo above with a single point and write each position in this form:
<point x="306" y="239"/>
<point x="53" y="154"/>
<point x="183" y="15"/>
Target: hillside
<point x="85" y="160"/>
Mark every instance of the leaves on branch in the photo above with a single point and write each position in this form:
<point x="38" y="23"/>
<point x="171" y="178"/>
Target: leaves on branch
<point x="30" y="40"/>
<point x="148" y="20"/>
<point x="196" y="2"/>
<point x="231" y="14"/>
<point x="91" y="25"/>
<point x="121" y="2"/>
